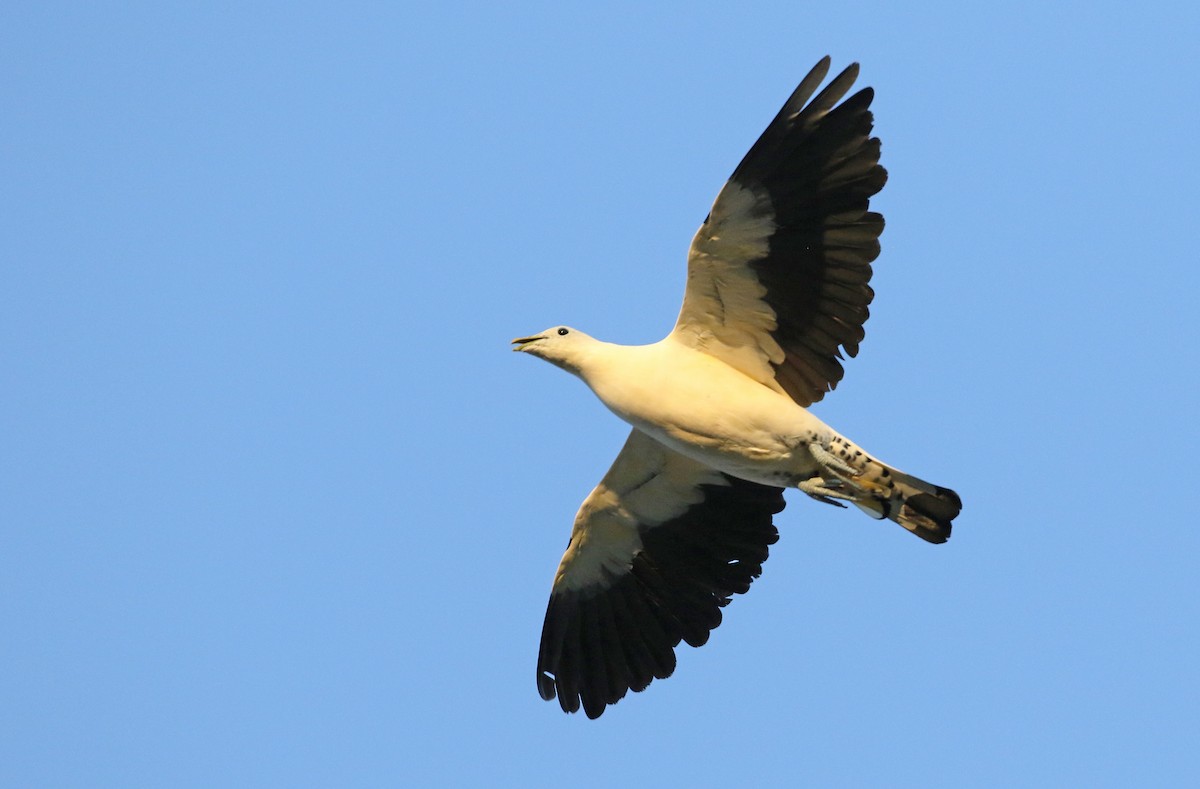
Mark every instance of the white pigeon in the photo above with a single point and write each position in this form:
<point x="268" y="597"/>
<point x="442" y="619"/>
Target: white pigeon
<point x="776" y="288"/>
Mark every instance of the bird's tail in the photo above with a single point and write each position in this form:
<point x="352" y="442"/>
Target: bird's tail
<point x="881" y="491"/>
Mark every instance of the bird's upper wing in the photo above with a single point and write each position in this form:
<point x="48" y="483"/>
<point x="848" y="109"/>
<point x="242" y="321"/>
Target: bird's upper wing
<point x="778" y="272"/>
<point x="657" y="550"/>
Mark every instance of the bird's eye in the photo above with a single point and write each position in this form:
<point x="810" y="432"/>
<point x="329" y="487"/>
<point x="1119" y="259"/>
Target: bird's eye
<point x="562" y="332"/>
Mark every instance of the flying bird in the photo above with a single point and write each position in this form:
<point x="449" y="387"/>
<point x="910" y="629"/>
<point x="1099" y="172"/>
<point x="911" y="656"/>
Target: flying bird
<point x="777" y="288"/>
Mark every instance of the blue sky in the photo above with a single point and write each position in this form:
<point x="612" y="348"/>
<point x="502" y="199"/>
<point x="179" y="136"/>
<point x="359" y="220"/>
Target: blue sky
<point x="278" y="507"/>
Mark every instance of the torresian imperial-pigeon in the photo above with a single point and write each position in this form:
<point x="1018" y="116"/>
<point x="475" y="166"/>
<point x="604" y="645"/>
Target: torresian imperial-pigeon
<point x="777" y="289"/>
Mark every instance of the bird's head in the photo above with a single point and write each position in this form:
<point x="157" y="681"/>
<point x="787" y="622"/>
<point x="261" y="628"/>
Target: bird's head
<point x="562" y="346"/>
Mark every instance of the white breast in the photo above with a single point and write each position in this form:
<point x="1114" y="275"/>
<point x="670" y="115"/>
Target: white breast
<point x="702" y="407"/>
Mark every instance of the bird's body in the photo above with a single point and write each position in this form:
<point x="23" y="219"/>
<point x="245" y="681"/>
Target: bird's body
<point x="705" y="410"/>
<point x="777" y="289"/>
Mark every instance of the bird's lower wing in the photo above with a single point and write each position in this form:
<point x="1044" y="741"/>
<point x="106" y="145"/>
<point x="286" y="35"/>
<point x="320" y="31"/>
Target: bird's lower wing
<point x="657" y="549"/>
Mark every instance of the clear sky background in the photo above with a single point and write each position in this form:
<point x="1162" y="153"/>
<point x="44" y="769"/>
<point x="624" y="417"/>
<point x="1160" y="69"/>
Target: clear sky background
<point x="278" y="507"/>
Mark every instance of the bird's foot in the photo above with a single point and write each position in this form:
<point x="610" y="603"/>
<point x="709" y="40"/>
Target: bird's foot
<point x="829" y="460"/>
<point x="823" y="491"/>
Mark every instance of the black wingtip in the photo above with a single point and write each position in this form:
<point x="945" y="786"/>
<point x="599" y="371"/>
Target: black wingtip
<point x="545" y="685"/>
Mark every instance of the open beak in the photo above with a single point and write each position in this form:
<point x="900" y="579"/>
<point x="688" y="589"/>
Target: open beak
<point x="521" y="343"/>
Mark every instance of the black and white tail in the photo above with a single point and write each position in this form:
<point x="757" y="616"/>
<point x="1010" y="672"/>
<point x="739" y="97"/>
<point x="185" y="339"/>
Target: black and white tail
<point x="881" y="491"/>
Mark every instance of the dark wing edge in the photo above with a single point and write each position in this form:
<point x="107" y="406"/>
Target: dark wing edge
<point x="819" y="166"/>
<point x="619" y="632"/>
